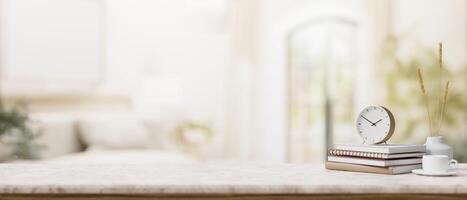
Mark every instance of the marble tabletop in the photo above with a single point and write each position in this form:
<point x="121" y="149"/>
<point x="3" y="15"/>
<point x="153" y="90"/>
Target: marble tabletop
<point x="216" y="178"/>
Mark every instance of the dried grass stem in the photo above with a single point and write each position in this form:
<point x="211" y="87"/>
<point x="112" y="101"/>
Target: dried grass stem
<point x="425" y="98"/>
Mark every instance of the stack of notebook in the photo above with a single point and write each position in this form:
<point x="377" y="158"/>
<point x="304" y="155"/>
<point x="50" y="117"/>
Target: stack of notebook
<point x="382" y="158"/>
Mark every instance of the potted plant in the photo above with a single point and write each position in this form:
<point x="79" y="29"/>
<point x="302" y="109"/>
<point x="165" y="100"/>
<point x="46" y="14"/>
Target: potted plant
<point x="435" y="144"/>
<point x="399" y="59"/>
<point x="16" y="134"/>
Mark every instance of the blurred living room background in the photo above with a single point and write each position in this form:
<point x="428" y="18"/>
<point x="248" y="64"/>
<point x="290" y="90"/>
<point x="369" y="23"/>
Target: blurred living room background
<point x="141" y="81"/>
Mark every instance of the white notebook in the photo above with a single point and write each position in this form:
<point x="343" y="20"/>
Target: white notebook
<point x="381" y="148"/>
<point x="337" y="152"/>
<point x="375" y="162"/>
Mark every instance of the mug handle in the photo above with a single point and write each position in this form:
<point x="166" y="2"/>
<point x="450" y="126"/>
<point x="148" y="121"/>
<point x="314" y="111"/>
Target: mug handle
<point x="453" y="163"/>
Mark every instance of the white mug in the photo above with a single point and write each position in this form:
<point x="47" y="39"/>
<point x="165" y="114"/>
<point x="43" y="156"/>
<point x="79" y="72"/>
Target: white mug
<point x="437" y="163"/>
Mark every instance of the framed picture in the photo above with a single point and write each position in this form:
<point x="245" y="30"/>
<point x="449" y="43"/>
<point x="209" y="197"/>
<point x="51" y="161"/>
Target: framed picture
<point x="51" y="46"/>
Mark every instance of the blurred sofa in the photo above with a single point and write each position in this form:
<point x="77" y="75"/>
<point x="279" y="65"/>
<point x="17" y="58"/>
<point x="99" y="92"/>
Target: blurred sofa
<point x="99" y="138"/>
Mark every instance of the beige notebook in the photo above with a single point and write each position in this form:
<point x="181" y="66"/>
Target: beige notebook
<point x="372" y="169"/>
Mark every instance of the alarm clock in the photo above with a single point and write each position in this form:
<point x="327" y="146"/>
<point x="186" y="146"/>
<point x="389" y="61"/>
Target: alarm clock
<point x="375" y="124"/>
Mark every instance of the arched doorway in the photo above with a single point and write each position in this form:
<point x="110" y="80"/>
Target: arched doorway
<point x="322" y="62"/>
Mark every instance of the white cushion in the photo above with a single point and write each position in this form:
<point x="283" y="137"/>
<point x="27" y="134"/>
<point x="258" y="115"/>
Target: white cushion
<point x="57" y="134"/>
<point x="112" y="131"/>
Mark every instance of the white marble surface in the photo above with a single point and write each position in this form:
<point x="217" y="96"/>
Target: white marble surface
<point x="214" y="178"/>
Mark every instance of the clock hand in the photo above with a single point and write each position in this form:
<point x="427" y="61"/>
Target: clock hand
<point x="368" y="120"/>
<point x="374" y="124"/>
<point x="378" y="121"/>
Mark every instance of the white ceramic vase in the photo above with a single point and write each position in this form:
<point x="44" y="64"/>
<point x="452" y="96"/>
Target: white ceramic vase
<point x="437" y="146"/>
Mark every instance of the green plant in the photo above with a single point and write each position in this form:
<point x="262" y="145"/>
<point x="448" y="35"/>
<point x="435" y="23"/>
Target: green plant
<point x="15" y="132"/>
<point x="185" y="127"/>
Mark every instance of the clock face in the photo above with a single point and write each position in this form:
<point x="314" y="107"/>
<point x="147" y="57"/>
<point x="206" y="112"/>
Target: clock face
<point x="375" y="124"/>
